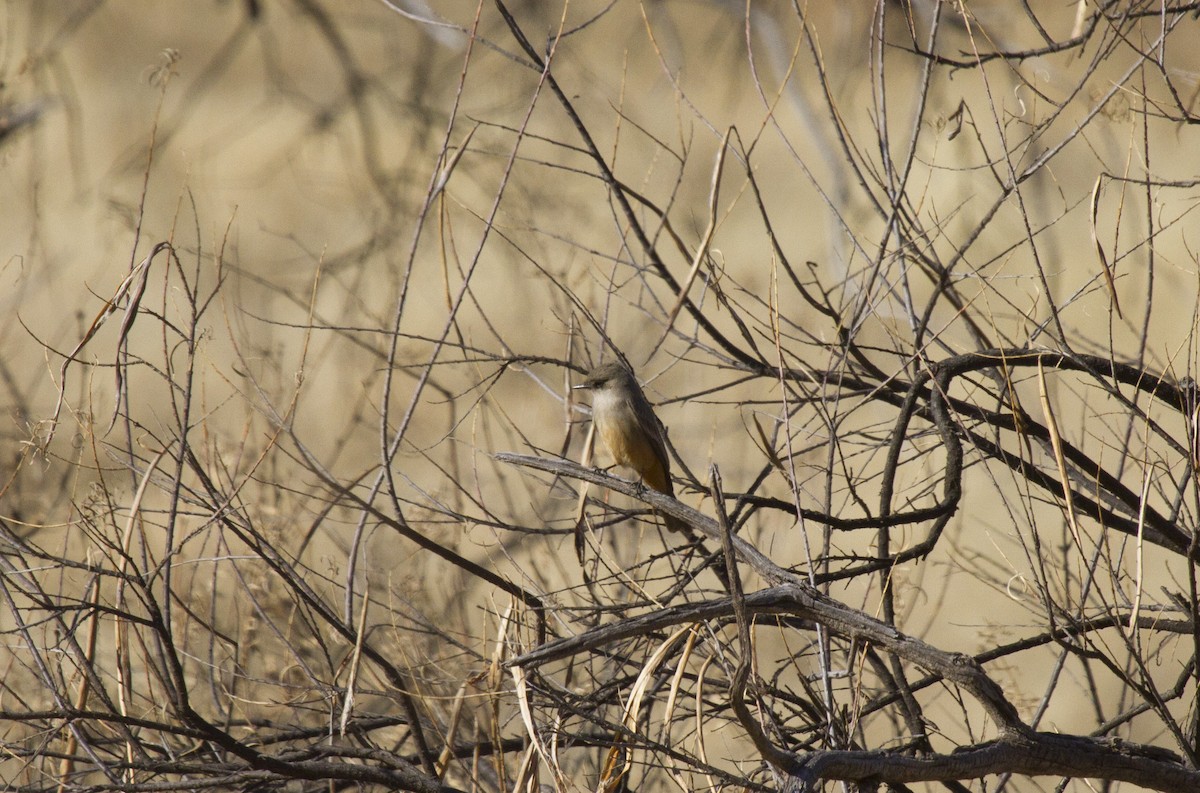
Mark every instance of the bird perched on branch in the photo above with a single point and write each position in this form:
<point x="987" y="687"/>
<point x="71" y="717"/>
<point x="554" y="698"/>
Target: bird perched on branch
<point x="631" y="432"/>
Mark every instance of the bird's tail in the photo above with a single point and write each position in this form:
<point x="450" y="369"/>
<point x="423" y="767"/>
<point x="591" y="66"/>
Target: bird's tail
<point x="675" y="524"/>
<point x="672" y="523"/>
<point x="657" y="477"/>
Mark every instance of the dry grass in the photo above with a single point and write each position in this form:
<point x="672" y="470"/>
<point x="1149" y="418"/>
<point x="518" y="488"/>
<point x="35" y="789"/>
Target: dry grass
<point x="296" y="294"/>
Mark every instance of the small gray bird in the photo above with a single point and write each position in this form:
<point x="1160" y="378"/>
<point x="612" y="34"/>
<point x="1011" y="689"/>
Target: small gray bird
<point x="633" y="434"/>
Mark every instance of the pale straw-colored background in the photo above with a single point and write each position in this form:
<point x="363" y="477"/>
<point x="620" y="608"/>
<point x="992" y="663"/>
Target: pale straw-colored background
<point x="298" y="148"/>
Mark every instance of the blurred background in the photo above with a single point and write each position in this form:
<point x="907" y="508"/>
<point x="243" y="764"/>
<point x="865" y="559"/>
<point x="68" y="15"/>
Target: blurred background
<point x="396" y="239"/>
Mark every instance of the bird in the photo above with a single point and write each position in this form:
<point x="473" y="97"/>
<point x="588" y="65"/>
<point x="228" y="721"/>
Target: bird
<point x="632" y="433"/>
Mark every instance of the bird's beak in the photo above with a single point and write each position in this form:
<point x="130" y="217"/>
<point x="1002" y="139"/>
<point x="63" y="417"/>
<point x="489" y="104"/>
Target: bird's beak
<point x="583" y="386"/>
